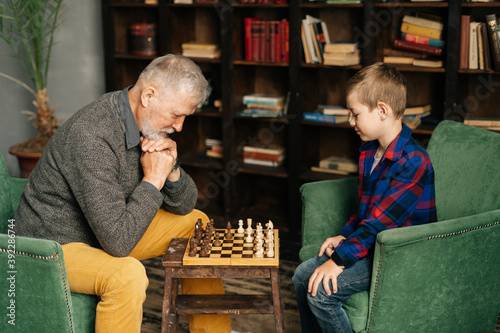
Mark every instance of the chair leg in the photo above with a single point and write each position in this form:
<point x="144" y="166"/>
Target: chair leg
<point x="277" y="301"/>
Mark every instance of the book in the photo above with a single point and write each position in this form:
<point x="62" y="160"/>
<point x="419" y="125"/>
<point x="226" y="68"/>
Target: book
<point x="341" y="47"/>
<point x="480" y="49"/>
<point x="404" y="45"/>
<point x="322" y="118"/>
<point x="473" y="56"/>
<point x="494" y="39"/>
<point x="423" y="22"/>
<point x="262" y="162"/>
<point x="486" y="123"/>
<point x="263" y="156"/>
<point x="193" y="53"/>
<point x="258" y="113"/>
<point x="340" y="55"/>
<point x="422" y="40"/>
<point x="428" y="63"/>
<point x="264" y="99"/>
<point x="398" y="60"/>
<point x="265" y="149"/>
<point x="388" y="51"/>
<point x="333" y="110"/>
<point x="486" y="47"/>
<point x="342" y="62"/>
<point x="339" y="163"/>
<point x="336" y="172"/>
<point x="248" y="37"/>
<point x="199" y="46"/>
<point x="464" y="42"/>
<point x="419" y="109"/>
<point x="421" y="31"/>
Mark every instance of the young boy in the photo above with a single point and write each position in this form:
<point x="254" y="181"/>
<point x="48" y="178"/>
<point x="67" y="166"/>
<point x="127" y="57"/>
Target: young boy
<point x="396" y="189"/>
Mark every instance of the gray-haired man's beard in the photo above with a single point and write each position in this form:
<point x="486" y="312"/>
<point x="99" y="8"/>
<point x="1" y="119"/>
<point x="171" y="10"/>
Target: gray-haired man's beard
<point x="155" y="134"/>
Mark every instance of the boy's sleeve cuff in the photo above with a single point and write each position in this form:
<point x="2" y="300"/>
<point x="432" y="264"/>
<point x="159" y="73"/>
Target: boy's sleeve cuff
<point x="336" y="259"/>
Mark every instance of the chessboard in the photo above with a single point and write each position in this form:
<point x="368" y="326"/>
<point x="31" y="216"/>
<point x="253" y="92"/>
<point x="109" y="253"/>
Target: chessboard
<point x="236" y="251"/>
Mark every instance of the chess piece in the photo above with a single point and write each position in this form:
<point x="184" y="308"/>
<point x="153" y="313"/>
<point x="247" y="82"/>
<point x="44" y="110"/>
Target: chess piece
<point x="249" y="238"/>
<point x="217" y="241"/>
<point x="270" y="248"/>
<point x="204" y="252"/>
<point x="240" y="229"/>
<point x="270" y="225"/>
<point x="259" y="251"/>
<point x="229" y="234"/>
<point x="249" y="228"/>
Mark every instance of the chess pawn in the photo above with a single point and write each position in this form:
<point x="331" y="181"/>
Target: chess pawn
<point x="204" y="251"/>
<point x="217" y="241"/>
<point x="229" y="234"/>
<point x="240" y="229"/>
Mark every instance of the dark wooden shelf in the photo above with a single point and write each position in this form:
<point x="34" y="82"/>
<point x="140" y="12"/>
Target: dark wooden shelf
<point x="273" y="192"/>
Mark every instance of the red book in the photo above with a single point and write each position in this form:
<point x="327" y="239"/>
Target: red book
<point x="404" y="45"/>
<point x="285" y="32"/>
<point x="263" y="156"/>
<point x="464" y="42"/>
<point x="277" y="41"/>
<point x="248" y="37"/>
<point x="256" y="39"/>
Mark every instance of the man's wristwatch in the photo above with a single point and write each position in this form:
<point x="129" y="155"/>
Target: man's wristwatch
<point x="176" y="165"/>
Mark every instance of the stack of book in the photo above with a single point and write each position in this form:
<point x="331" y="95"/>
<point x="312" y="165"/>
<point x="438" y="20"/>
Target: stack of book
<point x="341" y="54"/>
<point x="213" y="147"/>
<point x="413" y="115"/>
<point x="271" y="156"/>
<point x="200" y="50"/>
<point x="479" y="43"/>
<point x="266" y="41"/>
<point x="263" y="105"/>
<point x="420" y="34"/>
<point x="330" y="114"/>
<point x="337" y="165"/>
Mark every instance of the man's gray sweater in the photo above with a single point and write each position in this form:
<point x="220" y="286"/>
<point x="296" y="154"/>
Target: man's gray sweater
<point x="87" y="185"/>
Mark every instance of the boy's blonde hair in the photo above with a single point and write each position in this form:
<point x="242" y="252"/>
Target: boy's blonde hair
<point x="379" y="83"/>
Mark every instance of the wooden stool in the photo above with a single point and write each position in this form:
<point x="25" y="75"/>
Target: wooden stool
<point x="175" y="305"/>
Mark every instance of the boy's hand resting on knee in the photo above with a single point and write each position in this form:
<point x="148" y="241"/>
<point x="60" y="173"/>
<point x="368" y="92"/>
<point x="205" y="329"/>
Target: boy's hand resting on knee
<point x="328" y="271"/>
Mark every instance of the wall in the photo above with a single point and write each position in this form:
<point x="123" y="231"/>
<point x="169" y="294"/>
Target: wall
<point x="76" y="75"/>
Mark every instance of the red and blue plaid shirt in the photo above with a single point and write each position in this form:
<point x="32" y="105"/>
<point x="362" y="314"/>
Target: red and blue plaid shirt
<point x="398" y="193"/>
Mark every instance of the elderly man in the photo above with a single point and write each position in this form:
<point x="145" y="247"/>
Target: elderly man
<point x="109" y="189"/>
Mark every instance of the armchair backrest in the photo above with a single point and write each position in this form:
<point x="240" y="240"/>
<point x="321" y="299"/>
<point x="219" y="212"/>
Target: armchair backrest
<point x="466" y="162"/>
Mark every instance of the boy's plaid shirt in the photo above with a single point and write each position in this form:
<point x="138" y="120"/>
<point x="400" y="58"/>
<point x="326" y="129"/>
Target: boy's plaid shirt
<point x="398" y="193"/>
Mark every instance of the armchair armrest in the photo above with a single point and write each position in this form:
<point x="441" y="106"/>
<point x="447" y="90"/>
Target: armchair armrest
<point x="16" y="189"/>
<point x="437" y="277"/>
<point x="37" y="294"/>
<point x="326" y="207"/>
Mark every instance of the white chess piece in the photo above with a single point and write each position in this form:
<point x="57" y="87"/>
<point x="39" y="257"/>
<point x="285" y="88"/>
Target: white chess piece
<point x="270" y="248"/>
<point x="240" y="229"/>
<point x="249" y="228"/>
<point x="270" y="225"/>
<point x="259" y="251"/>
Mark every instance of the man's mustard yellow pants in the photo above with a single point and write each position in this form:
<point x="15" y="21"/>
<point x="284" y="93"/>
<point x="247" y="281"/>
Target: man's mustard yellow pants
<point x="121" y="283"/>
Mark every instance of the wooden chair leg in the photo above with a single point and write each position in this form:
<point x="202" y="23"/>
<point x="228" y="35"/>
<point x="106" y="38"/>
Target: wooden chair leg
<point x="167" y="301"/>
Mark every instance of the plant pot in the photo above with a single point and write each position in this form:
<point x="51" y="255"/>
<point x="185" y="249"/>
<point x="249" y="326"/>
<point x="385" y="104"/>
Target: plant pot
<point x="26" y="162"/>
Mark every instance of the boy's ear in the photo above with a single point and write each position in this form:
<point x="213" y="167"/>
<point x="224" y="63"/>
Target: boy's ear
<point x="383" y="110"/>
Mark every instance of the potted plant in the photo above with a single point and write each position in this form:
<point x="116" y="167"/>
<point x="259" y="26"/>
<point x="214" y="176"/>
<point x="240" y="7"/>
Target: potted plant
<point x="27" y="27"/>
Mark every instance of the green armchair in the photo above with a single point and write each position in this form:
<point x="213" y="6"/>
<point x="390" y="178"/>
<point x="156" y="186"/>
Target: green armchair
<point x="35" y="295"/>
<point x="439" y="277"/>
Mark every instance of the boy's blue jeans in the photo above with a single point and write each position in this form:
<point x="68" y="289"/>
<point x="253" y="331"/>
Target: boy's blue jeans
<point x="327" y="310"/>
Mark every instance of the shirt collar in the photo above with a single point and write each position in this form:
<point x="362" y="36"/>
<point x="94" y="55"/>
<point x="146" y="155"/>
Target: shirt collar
<point x="395" y="149"/>
<point x="132" y="134"/>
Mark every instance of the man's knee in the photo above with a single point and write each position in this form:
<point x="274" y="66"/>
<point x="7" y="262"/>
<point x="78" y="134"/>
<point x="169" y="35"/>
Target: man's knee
<point x="131" y="274"/>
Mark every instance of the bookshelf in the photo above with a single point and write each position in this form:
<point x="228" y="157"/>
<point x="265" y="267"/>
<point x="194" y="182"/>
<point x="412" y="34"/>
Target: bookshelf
<point x="230" y="189"/>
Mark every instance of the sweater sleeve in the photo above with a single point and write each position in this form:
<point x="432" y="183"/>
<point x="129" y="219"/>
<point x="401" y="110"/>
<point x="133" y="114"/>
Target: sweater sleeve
<point x="180" y="200"/>
<point x="95" y="177"/>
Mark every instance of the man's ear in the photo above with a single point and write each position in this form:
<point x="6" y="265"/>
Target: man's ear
<point x="383" y="110"/>
<point x="146" y="95"/>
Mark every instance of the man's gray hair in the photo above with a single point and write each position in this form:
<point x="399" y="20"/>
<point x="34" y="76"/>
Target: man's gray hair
<point x="173" y="74"/>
